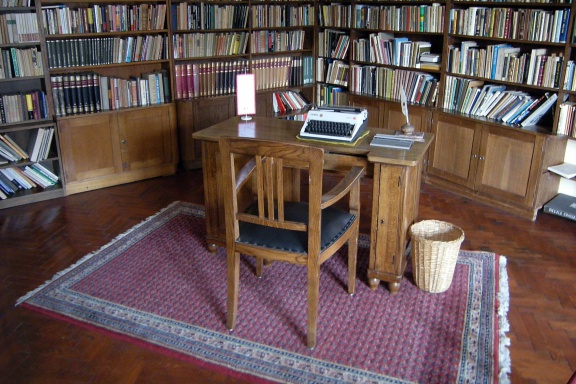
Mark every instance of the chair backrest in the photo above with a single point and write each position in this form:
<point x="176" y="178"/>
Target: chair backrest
<point x="259" y="166"/>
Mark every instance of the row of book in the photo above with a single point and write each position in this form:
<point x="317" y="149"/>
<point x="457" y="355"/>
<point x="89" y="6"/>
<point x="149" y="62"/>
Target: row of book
<point x="66" y="53"/>
<point x="286" y="15"/>
<point x="335" y="15"/>
<point x="63" y="20"/>
<point x="406" y="18"/>
<point x="283" y="71"/>
<point x="507" y="23"/>
<point x="89" y="92"/>
<point x="31" y="176"/>
<point x="15" y="3"/>
<point x="191" y="45"/>
<point x="333" y="43"/>
<point x="39" y="144"/>
<point x="276" y="41"/>
<point x="18" y="62"/>
<point x="198" y="16"/>
<point x="219" y="78"/>
<point x="384" y="48"/>
<point x="506" y="63"/>
<point x="20" y="107"/>
<point x="495" y="102"/>
<point x="420" y="88"/>
<point x="567" y="119"/>
<point x="288" y="101"/>
<point x="18" y="28"/>
<point x="570" y="76"/>
<point x="332" y="71"/>
<point x="327" y="94"/>
<point x="207" y="79"/>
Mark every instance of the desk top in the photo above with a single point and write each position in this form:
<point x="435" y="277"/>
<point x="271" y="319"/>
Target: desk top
<point x="266" y="128"/>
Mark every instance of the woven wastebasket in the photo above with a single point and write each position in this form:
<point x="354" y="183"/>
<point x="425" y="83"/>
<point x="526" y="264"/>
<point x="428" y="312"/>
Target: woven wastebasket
<point x="435" y="247"/>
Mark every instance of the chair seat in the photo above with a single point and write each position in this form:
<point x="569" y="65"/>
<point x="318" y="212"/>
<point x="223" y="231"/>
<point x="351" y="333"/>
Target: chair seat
<point x="335" y="222"/>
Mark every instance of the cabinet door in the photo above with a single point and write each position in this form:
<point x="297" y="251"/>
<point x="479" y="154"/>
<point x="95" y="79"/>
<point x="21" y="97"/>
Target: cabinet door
<point x="90" y="147"/>
<point x="453" y="155"/>
<point x="507" y="159"/>
<point x="147" y="137"/>
<point x="208" y="112"/>
<point x="394" y="118"/>
<point x="375" y="109"/>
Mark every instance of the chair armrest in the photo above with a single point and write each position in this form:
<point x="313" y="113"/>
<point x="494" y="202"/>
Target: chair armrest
<point x="245" y="173"/>
<point x="343" y="187"/>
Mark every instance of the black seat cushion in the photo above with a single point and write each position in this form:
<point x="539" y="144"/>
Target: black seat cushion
<point x="335" y="222"/>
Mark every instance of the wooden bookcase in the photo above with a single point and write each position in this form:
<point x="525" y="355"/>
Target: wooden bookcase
<point x="111" y="79"/>
<point x="326" y="45"/>
<point x="23" y="77"/>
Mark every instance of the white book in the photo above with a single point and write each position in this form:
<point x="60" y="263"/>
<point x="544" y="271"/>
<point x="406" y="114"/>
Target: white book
<point x="35" y="144"/>
<point x="566" y="170"/>
<point x="540" y="111"/>
<point x="35" y="177"/>
<point x="45" y="171"/>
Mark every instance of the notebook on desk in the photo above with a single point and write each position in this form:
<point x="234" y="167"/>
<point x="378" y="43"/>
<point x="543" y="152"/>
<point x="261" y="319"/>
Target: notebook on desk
<point x="390" y="141"/>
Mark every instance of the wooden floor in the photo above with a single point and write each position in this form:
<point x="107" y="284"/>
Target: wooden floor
<point x="40" y="239"/>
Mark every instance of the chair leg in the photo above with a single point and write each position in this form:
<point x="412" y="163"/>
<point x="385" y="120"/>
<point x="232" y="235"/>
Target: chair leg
<point x="352" y="258"/>
<point x="313" y="293"/>
<point x="259" y="266"/>
<point x="233" y="272"/>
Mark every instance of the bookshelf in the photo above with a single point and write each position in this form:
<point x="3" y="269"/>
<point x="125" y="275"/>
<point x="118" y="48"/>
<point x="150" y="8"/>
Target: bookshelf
<point x="30" y="163"/>
<point x="110" y="76"/>
<point x="448" y="55"/>
<point x="273" y="40"/>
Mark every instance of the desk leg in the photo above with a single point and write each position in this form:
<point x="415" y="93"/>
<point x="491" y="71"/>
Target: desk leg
<point x="394" y="209"/>
<point x="215" y="224"/>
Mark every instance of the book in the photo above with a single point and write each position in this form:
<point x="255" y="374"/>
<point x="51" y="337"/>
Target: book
<point x="566" y="170"/>
<point x="562" y="205"/>
<point x="534" y="117"/>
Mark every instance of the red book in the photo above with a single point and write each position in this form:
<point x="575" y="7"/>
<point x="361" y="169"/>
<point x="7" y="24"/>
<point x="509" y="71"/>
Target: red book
<point x="179" y="81"/>
<point x="191" y="81"/>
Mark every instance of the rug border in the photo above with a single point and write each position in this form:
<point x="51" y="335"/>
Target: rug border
<point x="501" y="341"/>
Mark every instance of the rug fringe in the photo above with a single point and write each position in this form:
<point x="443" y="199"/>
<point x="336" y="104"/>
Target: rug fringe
<point x="503" y="325"/>
<point x="90" y="255"/>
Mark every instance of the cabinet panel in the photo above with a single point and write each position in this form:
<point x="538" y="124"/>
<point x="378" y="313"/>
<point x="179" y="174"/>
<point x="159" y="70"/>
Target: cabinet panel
<point x="375" y="109"/>
<point x="394" y="118"/>
<point x="90" y="147"/>
<point x="145" y="138"/>
<point x="452" y="156"/>
<point x="195" y="115"/>
<point x="106" y="149"/>
<point x="505" y="163"/>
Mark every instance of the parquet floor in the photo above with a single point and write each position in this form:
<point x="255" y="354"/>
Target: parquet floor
<point x="40" y="239"/>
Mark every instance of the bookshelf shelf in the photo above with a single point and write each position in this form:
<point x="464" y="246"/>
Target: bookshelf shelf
<point x="29" y="153"/>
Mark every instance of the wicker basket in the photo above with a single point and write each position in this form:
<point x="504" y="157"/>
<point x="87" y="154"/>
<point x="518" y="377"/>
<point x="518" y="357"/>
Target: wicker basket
<point x="435" y="247"/>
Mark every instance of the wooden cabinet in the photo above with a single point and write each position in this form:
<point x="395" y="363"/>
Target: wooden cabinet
<point x="113" y="148"/>
<point x="388" y="114"/>
<point x="502" y="166"/>
<point x="195" y="115"/>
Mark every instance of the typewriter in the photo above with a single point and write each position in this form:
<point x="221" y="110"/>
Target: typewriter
<point x="338" y="123"/>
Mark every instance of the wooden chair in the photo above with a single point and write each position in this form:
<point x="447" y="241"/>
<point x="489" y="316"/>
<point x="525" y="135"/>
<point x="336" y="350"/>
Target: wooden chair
<point x="271" y="228"/>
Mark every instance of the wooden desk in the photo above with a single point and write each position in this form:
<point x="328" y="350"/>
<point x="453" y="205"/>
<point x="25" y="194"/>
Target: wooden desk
<point x="396" y="173"/>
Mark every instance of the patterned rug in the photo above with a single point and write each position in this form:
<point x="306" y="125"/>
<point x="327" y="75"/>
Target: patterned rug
<point x="158" y="285"/>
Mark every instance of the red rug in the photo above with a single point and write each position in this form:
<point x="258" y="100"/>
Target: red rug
<point x="158" y="285"/>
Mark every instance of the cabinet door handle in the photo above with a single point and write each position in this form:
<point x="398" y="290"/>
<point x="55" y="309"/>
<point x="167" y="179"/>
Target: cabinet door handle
<point x="482" y="158"/>
<point x="123" y="142"/>
<point x="474" y="156"/>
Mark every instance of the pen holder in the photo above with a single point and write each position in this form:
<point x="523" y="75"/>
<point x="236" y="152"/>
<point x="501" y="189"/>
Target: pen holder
<point x="407" y="129"/>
